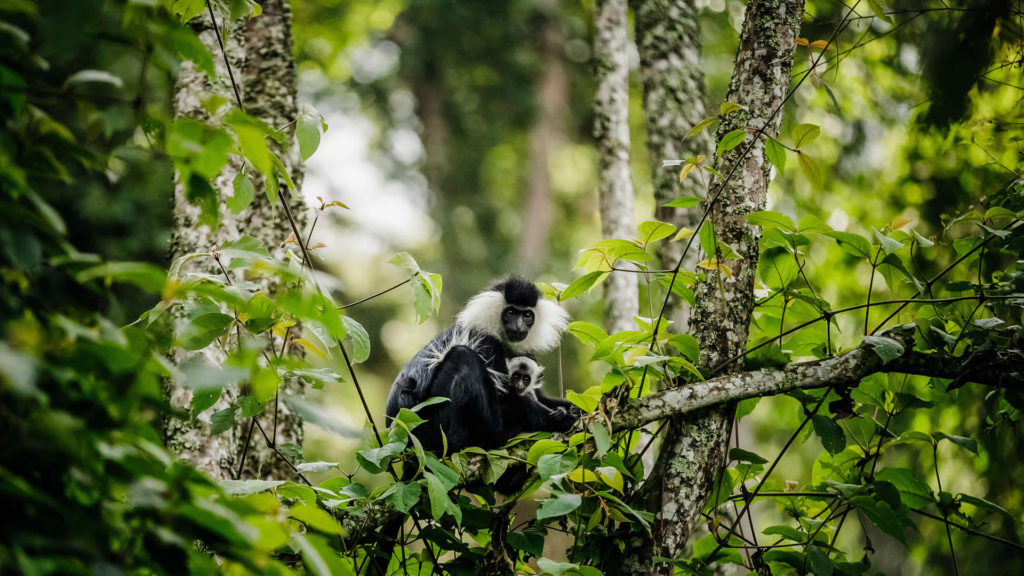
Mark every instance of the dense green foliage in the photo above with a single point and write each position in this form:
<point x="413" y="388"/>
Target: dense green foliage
<point x="87" y="325"/>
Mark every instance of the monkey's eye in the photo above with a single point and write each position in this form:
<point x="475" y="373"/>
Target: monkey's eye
<point x="508" y="314"/>
<point x="528" y="314"/>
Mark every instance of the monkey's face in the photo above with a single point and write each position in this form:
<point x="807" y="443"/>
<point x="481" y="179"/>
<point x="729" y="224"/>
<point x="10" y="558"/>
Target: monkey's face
<point x="516" y="321"/>
<point x="520" y="381"/>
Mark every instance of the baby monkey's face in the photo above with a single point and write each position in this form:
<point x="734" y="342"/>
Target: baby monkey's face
<point x="520" y="381"/>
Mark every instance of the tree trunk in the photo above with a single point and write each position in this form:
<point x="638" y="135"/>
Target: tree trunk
<point x="260" y="53"/>
<point x="668" y="40"/>
<point x="694" y="446"/>
<point x="611" y="132"/>
<point x="545" y="137"/>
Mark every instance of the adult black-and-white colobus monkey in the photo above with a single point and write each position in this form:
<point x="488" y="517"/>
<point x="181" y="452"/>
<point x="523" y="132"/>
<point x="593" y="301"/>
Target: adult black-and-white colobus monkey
<point x="469" y="363"/>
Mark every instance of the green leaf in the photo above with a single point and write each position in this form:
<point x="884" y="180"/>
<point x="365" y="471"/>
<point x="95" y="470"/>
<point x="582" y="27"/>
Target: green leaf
<point x="888" y="244"/>
<point x="554" y="464"/>
<point x="787" y="532"/>
<point x="684" y="202"/>
<point x="969" y="444"/>
<point x="583" y="284"/>
<point x="203" y="330"/>
<point x="653" y="230"/>
<point x="886" y="348"/>
<point x="199" y="193"/>
<point x="375" y="459"/>
<point x="320" y="559"/>
<point x="316" y="518"/>
<point x="559" y="505"/>
<point x="246" y="487"/>
<point x="988" y="506"/>
<point x="359" y="337"/>
<point x="404" y="496"/>
<point x="307" y="132"/>
<point x="602" y="440"/>
<point x="706" y="236"/>
<point x="810" y="169"/>
<point x="318" y="466"/>
<point x="770" y="219"/>
<point x="819" y="561"/>
<point x="242" y="252"/>
<point x="243" y="193"/>
<point x="728" y="107"/>
<point x="805" y="134"/>
<point x="914" y="491"/>
<point x="700" y="126"/>
<point x="249" y="406"/>
<point x="588" y="333"/>
<point x="741" y="455"/>
<point x="438" y="494"/>
<point x="881" y="515"/>
<point x="776" y="154"/>
<point x="543" y="447"/>
<point x="142" y="274"/>
<point x="406" y="262"/>
<point x="831" y="434"/>
<point x="852" y="243"/>
<point x="222" y="420"/>
<point x="731" y="140"/>
<point x="588" y="400"/>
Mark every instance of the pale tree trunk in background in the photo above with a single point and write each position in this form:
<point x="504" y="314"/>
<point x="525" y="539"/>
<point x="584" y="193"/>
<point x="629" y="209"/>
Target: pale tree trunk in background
<point x="611" y="133"/>
<point x="546" y="136"/>
<point x="668" y="40"/>
<point x="694" y="446"/>
<point x="260" y="54"/>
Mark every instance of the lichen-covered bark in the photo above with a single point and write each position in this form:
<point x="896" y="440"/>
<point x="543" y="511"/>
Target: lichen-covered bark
<point x="668" y="41"/>
<point x="611" y="133"/>
<point x="260" y="54"/>
<point x="694" y="447"/>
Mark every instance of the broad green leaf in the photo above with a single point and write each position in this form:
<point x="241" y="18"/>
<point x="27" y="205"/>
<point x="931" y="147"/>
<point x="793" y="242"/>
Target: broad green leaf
<point x="787" y="532"/>
<point x="316" y="518"/>
<point x="914" y="491"/>
<point x="587" y="333"/>
<point x="307" y="132"/>
<point x="550" y="465"/>
<point x="819" y="561"/>
<point x="731" y="140"/>
<point x="559" y="505"/>
<point x="438" y="493"/>
<point x="832" y="437"/>
<point x="881" y="515"/>
<point x="741" y="455"/>
<point x="243" y="192"/>
<point x="852" y="243"/>
<point x="888" y="244"/>
<point x="776" y="154"/>
<point x="969" y="444"/>
<point x="988" y="506"/>
<point x="318" y="556"/>
<point x="805" y="134"/>
<point x="700" y="126"/>
<point x="246" y="487"/>
<point x="684" y="202"/>
<point x="406" y="262"/>
<point x="602" y="440"/>
<point x="588" y="400"/>
<point x="770" y="219"/>
<point x="404" y="496"/>
<point x="653" y="230"/>
<point x="203" y="330"/>
<point x="359" y="337"/>
<point x="142" y="274"/>
<point x="222" y="420"/>
<point x="249" y="406"/>
<point x="583" y="284"/>
<point x="543" y="447"/>
<point x="810" y="169"/>
<point x="728" y="107"/>
<point x="886" y="348"/>
<point x="318" y="466"/>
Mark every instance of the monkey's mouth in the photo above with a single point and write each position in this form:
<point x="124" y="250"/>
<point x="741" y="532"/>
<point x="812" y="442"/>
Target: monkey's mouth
<point x="516" y="335"/>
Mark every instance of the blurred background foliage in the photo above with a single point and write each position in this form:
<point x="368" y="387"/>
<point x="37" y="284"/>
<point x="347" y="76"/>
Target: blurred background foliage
<point x="460" y="132"/>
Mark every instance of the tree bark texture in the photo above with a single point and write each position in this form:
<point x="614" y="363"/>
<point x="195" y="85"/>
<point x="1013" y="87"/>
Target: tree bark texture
<point x="547" y="134"/>
<point x="695" y="446"/>
<point x="668" y="40"/>
<point x="260" y="53"/>
<point x="611" y="133"/>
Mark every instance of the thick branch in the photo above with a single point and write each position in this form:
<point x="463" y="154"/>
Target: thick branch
<point x="848" y="369"/>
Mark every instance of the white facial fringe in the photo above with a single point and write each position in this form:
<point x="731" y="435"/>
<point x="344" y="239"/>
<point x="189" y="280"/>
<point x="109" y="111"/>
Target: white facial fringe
<point x="483" y="313"/>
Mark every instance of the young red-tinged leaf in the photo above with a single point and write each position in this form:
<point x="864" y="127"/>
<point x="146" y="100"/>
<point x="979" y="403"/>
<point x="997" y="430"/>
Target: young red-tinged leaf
<point x="820" y="44"/>
<point x="802" y="42"/>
